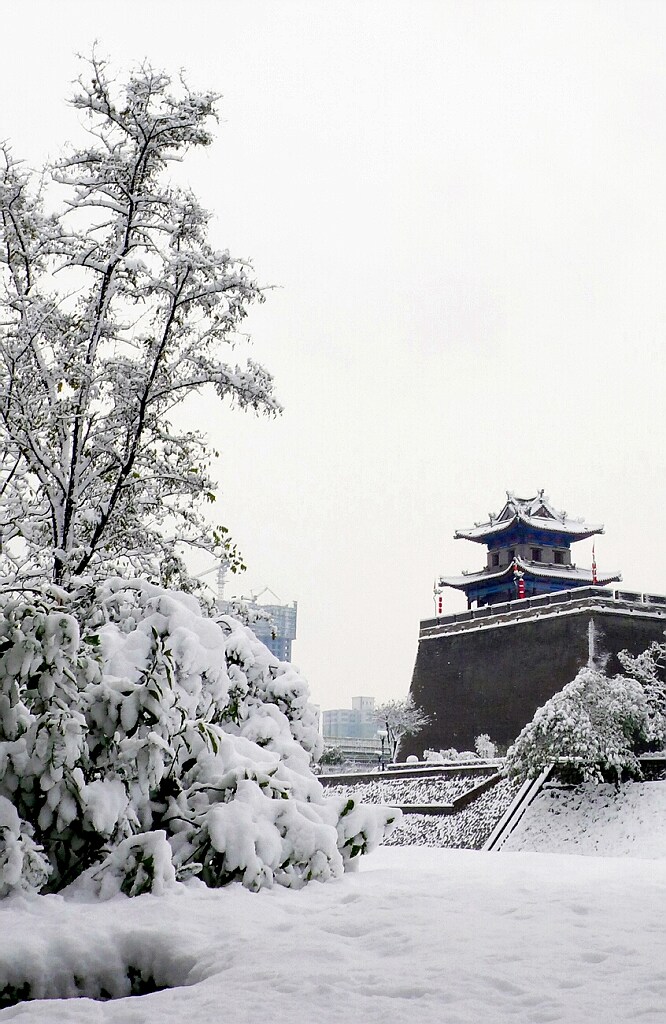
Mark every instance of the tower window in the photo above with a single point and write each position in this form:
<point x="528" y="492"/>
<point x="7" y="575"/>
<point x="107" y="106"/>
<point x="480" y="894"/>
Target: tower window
<point x="494" y="558"/>
<point x="536" y="554"/>
<point x="558" y="557"/>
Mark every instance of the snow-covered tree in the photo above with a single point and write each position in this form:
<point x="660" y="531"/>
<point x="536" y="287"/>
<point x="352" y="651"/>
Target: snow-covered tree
<point x="649" y="669"/>
<point x="142" y="742"/>
<point x="485" y="747"/>
<point x="399" y="718"/>
<point x="592" y="728"/>
<point x="114" y="307"/>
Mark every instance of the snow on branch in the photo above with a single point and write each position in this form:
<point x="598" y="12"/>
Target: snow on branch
<point x="114" y="308"/>
<point x="142" y="743"/>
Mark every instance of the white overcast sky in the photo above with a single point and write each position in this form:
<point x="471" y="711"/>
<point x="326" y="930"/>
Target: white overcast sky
<point x="464" y="207"/>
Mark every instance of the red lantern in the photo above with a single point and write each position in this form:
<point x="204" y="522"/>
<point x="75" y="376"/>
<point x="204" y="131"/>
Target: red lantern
<point x="520" y="581"/>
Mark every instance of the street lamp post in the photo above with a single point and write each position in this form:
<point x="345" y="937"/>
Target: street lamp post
<point x="382" y="733"/>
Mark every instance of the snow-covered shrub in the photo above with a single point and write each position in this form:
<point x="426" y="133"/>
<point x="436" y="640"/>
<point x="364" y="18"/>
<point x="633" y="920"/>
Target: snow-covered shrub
<point x="332" y="756"/>
<point x="485" y="747"/>
<point x="592" y="727"/>
<point x="141" y="742"/>
<point x="448" y="755"/>
<point x="23" y="866"/>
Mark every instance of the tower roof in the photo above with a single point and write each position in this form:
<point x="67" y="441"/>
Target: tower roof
<point x="536" y="513"/>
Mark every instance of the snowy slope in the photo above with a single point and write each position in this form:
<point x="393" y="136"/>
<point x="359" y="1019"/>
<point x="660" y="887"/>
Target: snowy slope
<point x="595" y="819"/>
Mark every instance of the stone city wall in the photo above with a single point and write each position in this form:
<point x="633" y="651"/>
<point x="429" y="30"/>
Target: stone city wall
<point x="491" y="679"/>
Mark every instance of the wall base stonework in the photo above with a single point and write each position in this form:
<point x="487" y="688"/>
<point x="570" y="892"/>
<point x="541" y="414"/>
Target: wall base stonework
<point x="490" y="675"/>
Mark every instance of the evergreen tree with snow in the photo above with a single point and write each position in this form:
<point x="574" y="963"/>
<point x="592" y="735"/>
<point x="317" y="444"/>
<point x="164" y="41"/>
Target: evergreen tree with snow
<point x="593" y="729"/>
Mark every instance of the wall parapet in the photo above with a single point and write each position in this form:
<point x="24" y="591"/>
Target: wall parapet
<point x="580" y="598"/>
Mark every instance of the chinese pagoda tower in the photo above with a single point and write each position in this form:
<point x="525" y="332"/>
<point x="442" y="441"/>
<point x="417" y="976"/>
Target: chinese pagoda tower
<point x="538" y="619"/>
<point x="528" y="554"/>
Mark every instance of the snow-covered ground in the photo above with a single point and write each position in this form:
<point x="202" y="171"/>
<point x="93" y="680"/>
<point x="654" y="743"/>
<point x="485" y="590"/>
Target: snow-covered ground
<point x="419" y="935"/>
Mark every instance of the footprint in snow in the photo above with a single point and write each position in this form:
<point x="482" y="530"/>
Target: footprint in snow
<point x="593" y="957"/>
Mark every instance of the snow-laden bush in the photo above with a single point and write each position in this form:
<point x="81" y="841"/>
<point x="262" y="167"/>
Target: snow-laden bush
<point x="450" y="754"/>
<point x="485" y="747"/>
<point x="649" y="669"/>
<point x="592" y="727"/>
<point x="141" y="743"/>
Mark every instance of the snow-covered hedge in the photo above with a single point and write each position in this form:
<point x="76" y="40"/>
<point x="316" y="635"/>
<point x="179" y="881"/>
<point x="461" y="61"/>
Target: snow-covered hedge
<point x="141" y="743"/>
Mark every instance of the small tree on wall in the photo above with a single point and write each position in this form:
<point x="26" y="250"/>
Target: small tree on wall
<point x="649" y="669"/>
<point x="399" y="718"/>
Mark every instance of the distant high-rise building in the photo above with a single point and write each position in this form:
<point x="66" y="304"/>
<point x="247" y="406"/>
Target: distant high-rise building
<point x="366" y="705"/>
<point x="357" y="721"/>
<point x="279" y="630"/>
<point x="353" y="730"/>
<point x="274" y="624"/>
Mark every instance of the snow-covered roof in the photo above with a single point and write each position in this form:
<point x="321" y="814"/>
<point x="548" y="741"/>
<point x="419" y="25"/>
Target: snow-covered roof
<point x="537" y="513"/>
<point x="534" y="569"/>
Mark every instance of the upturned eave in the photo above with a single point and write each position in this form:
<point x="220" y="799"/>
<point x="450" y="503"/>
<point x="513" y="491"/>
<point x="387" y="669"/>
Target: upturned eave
<point x="536" y="570"/>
